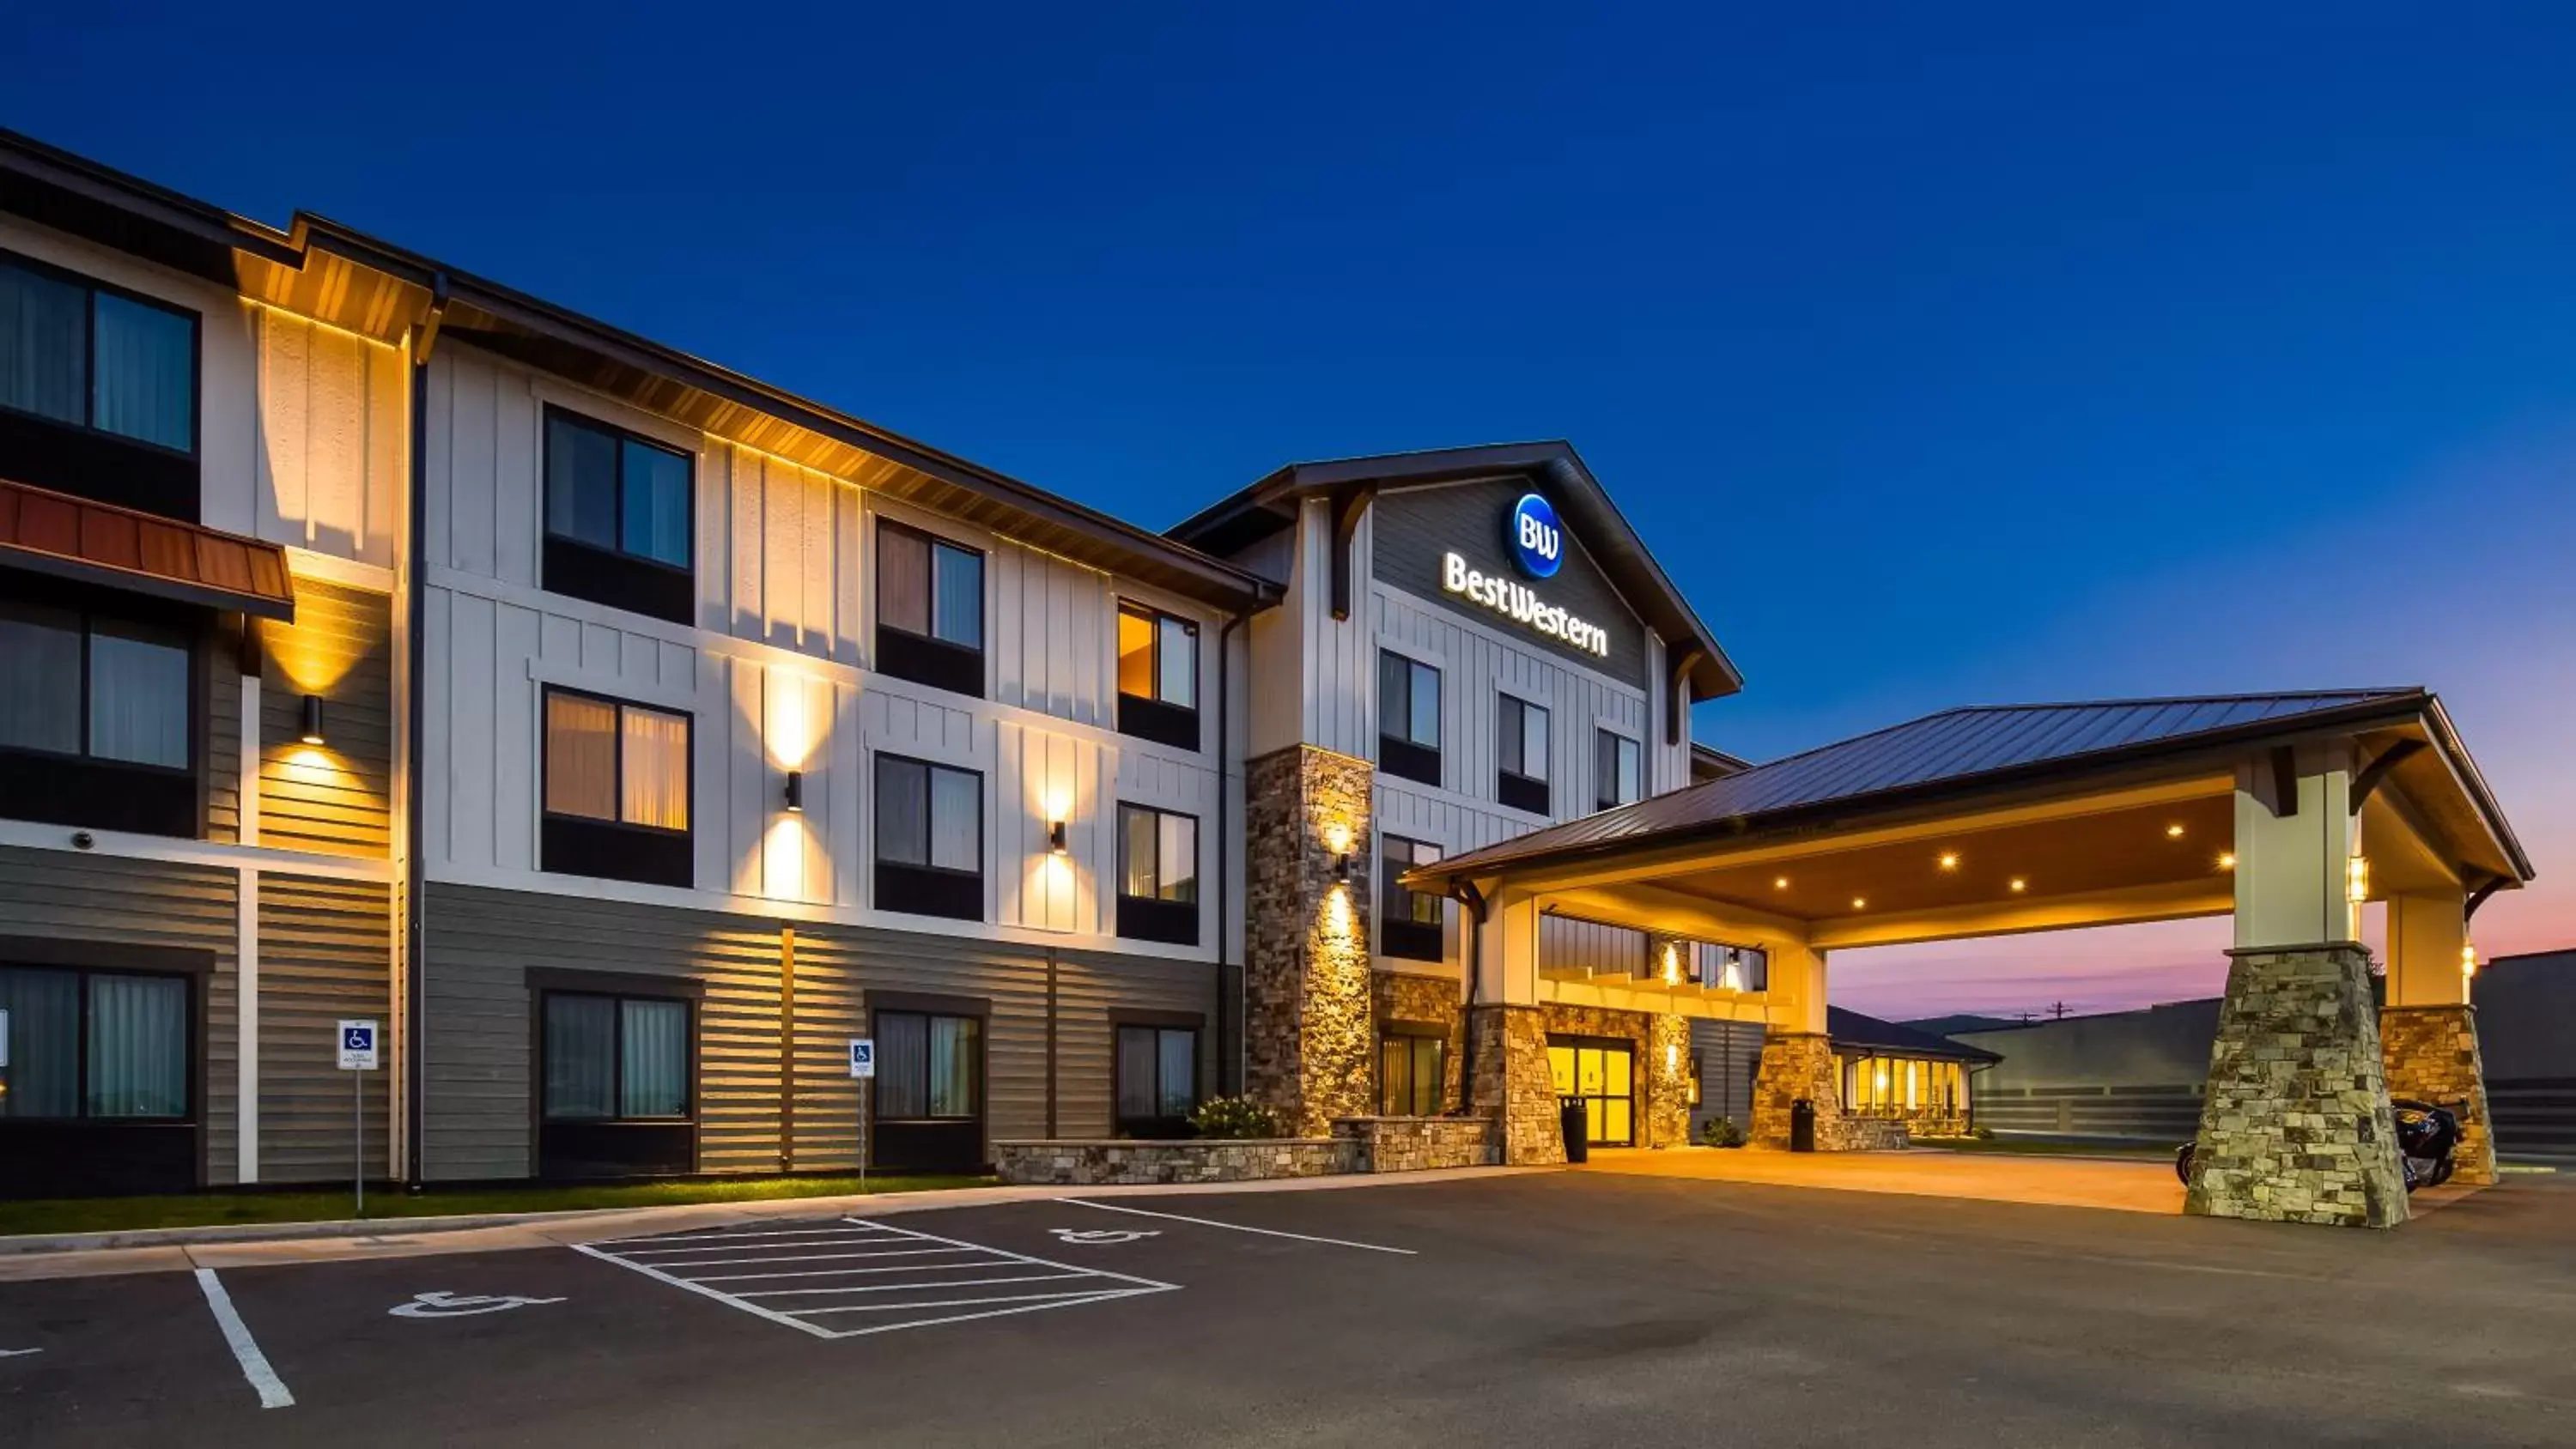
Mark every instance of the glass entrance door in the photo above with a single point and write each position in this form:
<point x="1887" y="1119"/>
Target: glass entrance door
<point x="1602" y="1074"/>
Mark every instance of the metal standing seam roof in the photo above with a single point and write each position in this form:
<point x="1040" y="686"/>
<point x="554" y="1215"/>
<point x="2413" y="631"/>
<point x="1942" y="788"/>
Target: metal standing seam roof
<point x="1955" y="745"/>
<point x="1848" y="1028"/>
<point x="74" y="538"/>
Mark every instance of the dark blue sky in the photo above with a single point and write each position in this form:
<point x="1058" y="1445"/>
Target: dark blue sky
<point x="1945" y="354"/>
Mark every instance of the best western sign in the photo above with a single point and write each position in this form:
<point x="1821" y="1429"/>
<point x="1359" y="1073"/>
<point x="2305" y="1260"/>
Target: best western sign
<point x="1537" y="543"/>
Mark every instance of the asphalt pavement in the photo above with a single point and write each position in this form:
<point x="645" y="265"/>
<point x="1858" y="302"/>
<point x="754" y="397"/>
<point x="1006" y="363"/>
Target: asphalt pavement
<point x="1558" y="1309"/>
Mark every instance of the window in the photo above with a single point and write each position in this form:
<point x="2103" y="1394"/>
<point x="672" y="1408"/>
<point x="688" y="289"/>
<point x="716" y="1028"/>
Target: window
<point x="1409" y="1067"/>
<point x="1408" y="718"/>
<point x="1158" y="875"/>
<point x="617" y="783"/>
<point x="1157" y="1071"/>
<point x="930" y="839"/>
<point x="1617" y="770"/>
<point x="618" y="511"/>
<point x="930" y="609"/>
<point x="930" y="1066"/>
<point x="98" y="722"/>
<point x="87" y="373"/>
<point x="616" y="1058"/>
<point x="96" y="1046"/>
<point x="1409" y="922"/>
<point x="1521" y="749"/>
<point x="1158" y="677"/>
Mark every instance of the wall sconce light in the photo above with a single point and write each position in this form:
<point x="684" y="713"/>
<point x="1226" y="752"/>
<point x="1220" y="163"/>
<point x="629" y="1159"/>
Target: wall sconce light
<point x="2468" y="958"/>
<point x="1342" y="866"/>
<point x="312" y="719"/>
<point x="1055" y="837"/>
<point x="796" y="792"/>
<point x="2356" y="873"/>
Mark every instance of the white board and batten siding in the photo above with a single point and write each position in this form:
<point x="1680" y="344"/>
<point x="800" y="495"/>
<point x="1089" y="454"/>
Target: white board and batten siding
<point x="774" y="678"/>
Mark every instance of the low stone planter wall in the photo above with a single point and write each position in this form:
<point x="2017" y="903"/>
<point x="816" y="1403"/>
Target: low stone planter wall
<point x="1104" y="1161"/>
<point x="1418" y="1144"/>
<point x="1861" y="1134"/>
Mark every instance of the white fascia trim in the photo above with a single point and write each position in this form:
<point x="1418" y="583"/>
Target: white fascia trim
<point x="122" y="845"/>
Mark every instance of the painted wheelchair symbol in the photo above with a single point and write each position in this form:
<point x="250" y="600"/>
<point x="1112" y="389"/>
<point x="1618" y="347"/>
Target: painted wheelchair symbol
<point x="1101" y="1237"/>
<point x="453" y="1305"/>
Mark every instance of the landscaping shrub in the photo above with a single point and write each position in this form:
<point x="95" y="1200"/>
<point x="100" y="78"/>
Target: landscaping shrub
<point x="1721" y="1132"/>
<point x="1237" y="1117"/>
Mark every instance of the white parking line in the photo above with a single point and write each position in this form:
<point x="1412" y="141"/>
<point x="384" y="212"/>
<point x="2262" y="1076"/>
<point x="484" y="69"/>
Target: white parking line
<point x="911" y="1293"/>
<point x="254" y="1364"/>
<point x="1238" y="1227"/>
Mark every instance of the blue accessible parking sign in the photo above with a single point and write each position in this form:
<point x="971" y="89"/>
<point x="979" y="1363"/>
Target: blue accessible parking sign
<point x="863" y="1057"/>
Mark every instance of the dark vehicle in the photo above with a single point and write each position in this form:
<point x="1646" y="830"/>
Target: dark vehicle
<point x="2425" y="1136"/>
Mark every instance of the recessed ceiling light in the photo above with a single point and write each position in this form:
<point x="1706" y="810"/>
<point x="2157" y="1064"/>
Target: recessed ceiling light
<point x="2227" y="860"/>
<point x="2019" y="884"/>
<point x="1780" y="883"/>
<point x="1949" y="860"/>
<point x="2173" y="832"/>
<point x="1859" y="903"/>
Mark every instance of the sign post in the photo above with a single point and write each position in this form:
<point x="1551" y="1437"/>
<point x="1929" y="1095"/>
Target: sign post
<point x="358" y="1057"/>
<point x="863" y="1070"/>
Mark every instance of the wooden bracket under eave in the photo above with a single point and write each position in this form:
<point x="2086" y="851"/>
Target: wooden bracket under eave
<point x="1347" y="506"/>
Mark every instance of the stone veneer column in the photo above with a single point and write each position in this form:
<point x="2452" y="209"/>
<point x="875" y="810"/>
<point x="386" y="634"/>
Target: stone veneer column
<point x="2431" y="1054"/>
<point x="2296" y="1127"/>
<point x="1668" y="1075"/>
<point x="1511" y="1083"/>
<point x="1309" y="1040"/>
<point x="1795" y="1065"/>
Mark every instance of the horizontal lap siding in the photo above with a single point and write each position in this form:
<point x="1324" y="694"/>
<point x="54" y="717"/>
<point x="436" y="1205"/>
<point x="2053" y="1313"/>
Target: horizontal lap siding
<point x="323" y="956"/>
<point x="49" y="895"/>
<point x="223" y="740"/>
<point x="1012" y="978"/>
<point x="336" y="797"/>
<point x="1089" y="987"/>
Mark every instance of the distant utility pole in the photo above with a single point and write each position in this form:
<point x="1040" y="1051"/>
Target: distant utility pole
<point x="2058" y="1010"/>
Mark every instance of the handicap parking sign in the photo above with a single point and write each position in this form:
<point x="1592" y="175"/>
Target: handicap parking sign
<point x="357" y="1046"/>
<point x="863" y="1057"/>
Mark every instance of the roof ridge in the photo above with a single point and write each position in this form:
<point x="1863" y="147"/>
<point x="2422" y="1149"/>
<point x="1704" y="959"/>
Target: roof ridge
<point x="2144" y="699"/>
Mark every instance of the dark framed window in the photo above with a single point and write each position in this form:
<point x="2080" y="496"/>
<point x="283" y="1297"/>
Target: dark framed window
<point x="618" y="1084"/>
<point x="98" y="1046"/>
<point x="98" y="390"/>
<point x="1520" y="778"/>
<point x="1408" y="718"/>
<point x="930" y="1067"/>
<point x="1618" y="770"/>
<point x="1158" y="677"/>
<point x="1157" y="1079"/>
<point x="1158" y="875"/>
<point x="1409" y="922"/>
<point x="620" y="518"/>
<point x="618" y="779"/>
<point x="99" y="717"/>
<point x="1410" y="1063"/>
<point x="930" y="609"/>
<point x="930" y="839"/>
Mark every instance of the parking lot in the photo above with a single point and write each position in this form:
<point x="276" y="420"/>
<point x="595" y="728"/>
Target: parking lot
<point x="1560" y="1308"/>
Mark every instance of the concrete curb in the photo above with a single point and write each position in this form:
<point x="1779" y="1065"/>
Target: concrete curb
<point x="614" y="1222"/>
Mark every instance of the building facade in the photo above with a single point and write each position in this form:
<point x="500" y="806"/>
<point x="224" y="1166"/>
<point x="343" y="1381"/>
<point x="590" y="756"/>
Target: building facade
<point x="625" y="737"/>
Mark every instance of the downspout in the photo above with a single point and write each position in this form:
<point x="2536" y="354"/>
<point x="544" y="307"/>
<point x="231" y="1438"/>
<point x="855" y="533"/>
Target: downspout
<point x="1229" y="1043"/>
<point x="415" y="713"/>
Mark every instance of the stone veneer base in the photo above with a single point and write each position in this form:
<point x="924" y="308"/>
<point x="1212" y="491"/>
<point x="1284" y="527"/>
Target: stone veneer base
<point x="1310" y="1050"/>
<point x="1358" y="1145"/>
<point x="2432" y="1055"/>
<point x="2296" y="1126"/>
<point x="1797" y="1065"/>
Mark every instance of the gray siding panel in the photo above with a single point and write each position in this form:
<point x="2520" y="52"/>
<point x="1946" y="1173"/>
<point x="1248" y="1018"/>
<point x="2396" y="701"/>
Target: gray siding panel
<point x="1413" y="527"/>
<point x="337" y="798"/>
<point x="324" y="953"/>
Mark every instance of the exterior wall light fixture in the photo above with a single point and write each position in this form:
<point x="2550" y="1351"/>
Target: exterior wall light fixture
<point x="1342" y="866"/>
<point x="1055" y="837"/>
<point x="796" y="792"/>
<point x="312" y="720"/>
<point x="2356" y="873"/>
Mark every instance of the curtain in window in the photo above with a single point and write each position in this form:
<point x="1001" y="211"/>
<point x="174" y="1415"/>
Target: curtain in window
<point x="1425" y="696"/>
<point x="145" y="382"/>
<point x="40" y="656"/>
<point x="1136" y="1094"/>
<point x="581" y="756"/>
<point x="955" y="1059"/>
<point x="956" y="820"/>
<point x="656" y="1043"/>
<point x="138" y="1046"/>
<point x="903" y="580"/>
<point x="1533" y="742"/>
<point x="138" y="696"/>
<point x="1180" y="664"/>
<point x="961" y="596"/>
<point x="1179" y="1073"/>
<point x="1394" y="685"/>
<point x="1135" y="654"/>
<point x="1179" y="855"/>
<point x="1631" y="782"/>
<point x="903" y="1065"/>
<point x="1393" y="1062"/>
<point x="581" y="483"/>
<point x="903" y="812"/>
<point x="656" y="788"/>
<point x="581" y="1057"/>
<point x="1138" y="847"/>
<point x="44" y="344"/>
<point x="43" y="1075"/>
<point x="657" y="503"/>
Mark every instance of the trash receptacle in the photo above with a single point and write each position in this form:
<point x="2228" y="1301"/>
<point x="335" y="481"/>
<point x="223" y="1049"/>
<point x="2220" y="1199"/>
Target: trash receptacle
<point x="1802" y="1125"/>
<point x="1569" y="1120"/>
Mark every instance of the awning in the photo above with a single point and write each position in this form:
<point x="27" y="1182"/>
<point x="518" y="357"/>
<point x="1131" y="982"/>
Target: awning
<point x="96" y="543"/>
